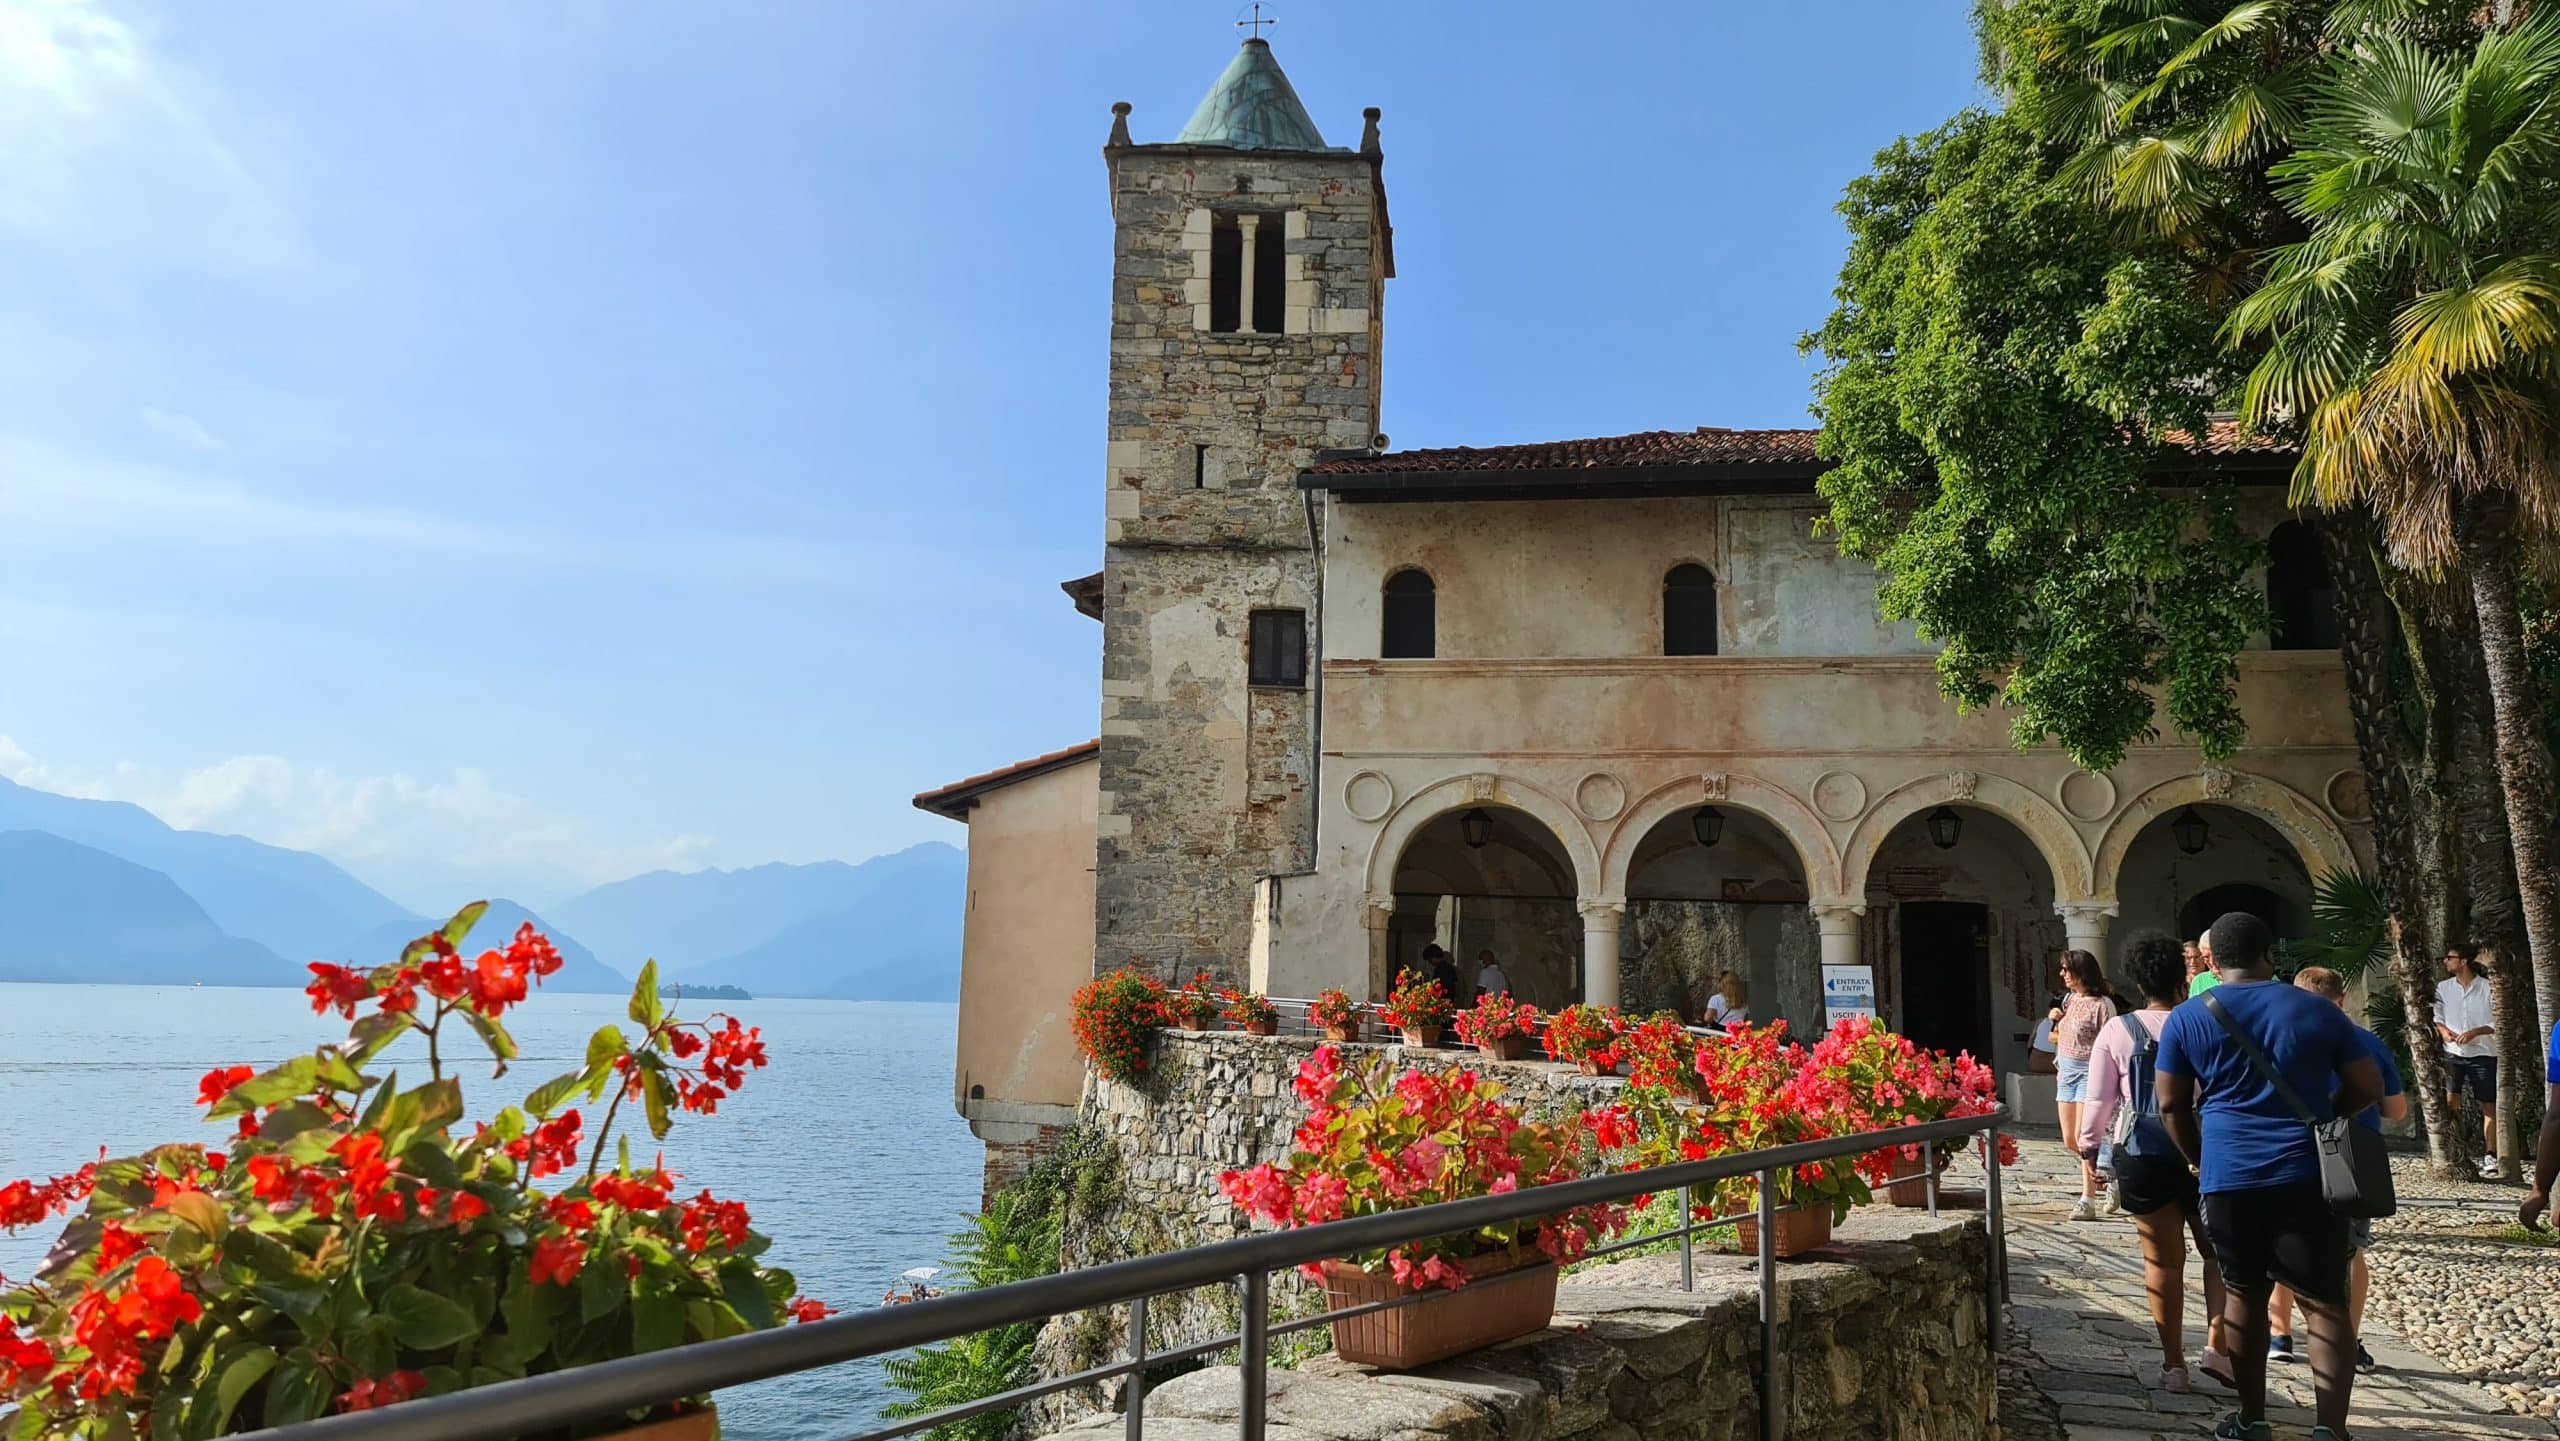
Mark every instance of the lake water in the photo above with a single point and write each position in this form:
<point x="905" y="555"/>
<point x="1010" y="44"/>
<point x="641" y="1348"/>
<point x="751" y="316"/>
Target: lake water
<point x="845" y="1149"/>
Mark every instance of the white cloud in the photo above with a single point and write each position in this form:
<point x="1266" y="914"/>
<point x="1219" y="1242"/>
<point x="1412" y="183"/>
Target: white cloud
<point x="111" y="149"/>
<point x="428" y="841"/>
<point x="185" y="430"/>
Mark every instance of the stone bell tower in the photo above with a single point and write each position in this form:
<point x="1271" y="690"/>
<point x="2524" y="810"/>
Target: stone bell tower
<point x="1248" y="266"/>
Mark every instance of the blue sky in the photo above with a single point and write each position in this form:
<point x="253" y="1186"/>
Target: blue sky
<point x="506" y="447"/>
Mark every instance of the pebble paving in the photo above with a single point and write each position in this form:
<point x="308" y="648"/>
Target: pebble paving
<point x="2081" y="1357"/>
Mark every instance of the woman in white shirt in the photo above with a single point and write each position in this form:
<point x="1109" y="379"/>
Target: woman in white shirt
<point x="1728" y="1007"/>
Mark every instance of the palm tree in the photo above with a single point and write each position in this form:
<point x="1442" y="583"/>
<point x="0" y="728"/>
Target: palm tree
<point x="2413" y="336"/>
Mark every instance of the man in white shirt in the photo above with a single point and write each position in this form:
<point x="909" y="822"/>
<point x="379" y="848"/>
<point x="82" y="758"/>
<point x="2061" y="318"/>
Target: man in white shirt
<point x="1490" y="981"/>
<point x="2467" y="1024"/>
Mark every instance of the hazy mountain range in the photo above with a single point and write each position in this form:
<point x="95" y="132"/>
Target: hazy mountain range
<point x="101" y="891"/>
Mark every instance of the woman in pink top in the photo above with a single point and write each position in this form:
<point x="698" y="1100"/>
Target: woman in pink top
<point x="2159" y="1190"/>
<point x="2076" y="1023"/>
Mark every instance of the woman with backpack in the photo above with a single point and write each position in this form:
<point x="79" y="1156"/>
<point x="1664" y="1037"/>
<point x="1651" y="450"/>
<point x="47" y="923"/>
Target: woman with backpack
<point x="2153" y="1181"/>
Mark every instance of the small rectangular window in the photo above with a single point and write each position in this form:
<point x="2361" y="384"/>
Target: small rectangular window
<point x="1268" y="295"/>
<point x="1199" y="467"/>
<point x="1226" y="274"/>
<point x="1279" y="648"/>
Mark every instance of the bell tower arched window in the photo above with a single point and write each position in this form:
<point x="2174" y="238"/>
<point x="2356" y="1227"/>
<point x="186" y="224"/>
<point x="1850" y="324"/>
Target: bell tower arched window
<point x="1689" y="611"/>
<point x="1411" y="627"/>
<point x="2302" y="597"/>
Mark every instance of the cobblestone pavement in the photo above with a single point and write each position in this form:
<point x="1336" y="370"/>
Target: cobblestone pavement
<point x="2081" y="1355"/>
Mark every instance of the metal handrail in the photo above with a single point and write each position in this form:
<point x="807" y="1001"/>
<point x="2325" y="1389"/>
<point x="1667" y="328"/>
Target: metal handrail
<point x="536" y="1404"/>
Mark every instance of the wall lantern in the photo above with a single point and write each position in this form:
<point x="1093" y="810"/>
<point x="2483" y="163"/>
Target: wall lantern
<point x="1707" y="825"/>
<point x="2190" y="830"/>
<point x="1477" y="827"/>
<point x="1945" y="828"/>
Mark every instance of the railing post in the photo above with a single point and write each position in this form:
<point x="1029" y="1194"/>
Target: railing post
<point x="1773" y="1398"/>
<point x="1688" y="1233"/>
<point x="1253" y="1354"/>
<point x="1995" y="1281"/>
<point x="1929" y="1169"/>
<point x="1137" y="1422"/>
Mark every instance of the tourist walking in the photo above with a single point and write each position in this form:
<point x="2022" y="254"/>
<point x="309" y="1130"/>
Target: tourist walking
<point x="2258" y="1166"/>
<point x="2467" y="1023"/>
<point x="2332" y="987"/>
<point x="1490" y="981"/>
<point x="2085" y="1011"/>
<point x="2154" y="1184"/>
<point x="1730" y="1006"/>
<point x="1443" y="970"/>
<point x="2546" y="1155"/>
<point x="2200" y="973"/>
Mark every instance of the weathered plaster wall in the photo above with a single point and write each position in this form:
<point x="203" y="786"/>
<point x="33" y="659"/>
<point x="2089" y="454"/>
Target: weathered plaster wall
<point x="1026" y="945"/>
<point x="1884" y="1334"/>
<point x="1204" y="780"/>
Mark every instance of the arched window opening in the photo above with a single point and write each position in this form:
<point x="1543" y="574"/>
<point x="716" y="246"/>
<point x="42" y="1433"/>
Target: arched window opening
<point x="2302" y="597"/>
<point x="1689" y="611"/>
<point x="1411" y="630"/>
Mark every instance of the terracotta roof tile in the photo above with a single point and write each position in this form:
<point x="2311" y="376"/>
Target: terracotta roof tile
<point x="955" y="799"/>
<point x="1708" y="445"/>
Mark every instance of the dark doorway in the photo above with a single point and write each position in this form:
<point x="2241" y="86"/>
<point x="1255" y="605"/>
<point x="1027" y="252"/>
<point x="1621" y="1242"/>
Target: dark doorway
<point x="2290" y="920"/>
<point x="1946" y="975"/>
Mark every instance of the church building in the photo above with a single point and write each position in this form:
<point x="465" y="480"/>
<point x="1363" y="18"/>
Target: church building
<point x="1609" y="708"/>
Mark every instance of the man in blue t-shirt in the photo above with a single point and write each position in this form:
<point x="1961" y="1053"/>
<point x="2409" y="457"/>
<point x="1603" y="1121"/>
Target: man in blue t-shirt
<point x="2332" y="987"/>
<point x="2546" y="1158"/>
<point x="2256" y="1164"/>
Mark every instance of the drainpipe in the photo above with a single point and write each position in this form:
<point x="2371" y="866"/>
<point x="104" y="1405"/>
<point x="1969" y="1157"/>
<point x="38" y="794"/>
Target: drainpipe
<point x="1315" y="689"/>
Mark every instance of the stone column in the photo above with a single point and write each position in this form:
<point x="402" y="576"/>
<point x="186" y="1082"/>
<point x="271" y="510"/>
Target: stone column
<point x="1600" y="921"/>
<point x="1843" y="930"/>
<point x="1248" y="230"/>
<point x="2084" y="924"/>
<point x="1377" y="914"/>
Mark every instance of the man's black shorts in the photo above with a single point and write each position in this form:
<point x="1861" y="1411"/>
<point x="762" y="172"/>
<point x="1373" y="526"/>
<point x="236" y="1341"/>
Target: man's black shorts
<point x="2144" y="1186"/>
<point x="2475" y="1076"/>
<point x="2282" y="1233"/>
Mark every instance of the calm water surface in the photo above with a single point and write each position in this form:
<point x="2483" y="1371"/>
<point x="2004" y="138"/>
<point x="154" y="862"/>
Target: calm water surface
<point x="845" y="1149"/>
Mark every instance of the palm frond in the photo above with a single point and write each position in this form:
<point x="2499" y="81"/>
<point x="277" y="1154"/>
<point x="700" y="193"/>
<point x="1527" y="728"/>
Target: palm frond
<point x="2243" y="19"/>
<point x="2249" y="121"/>
<point x="2350" y="924"/>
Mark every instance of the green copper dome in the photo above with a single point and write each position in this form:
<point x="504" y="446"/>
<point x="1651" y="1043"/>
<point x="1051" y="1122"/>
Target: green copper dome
<point x="1252" y="107"/>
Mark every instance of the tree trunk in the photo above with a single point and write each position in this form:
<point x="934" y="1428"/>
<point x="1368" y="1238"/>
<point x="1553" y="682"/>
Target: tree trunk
<point x="2524" y="766"/>
<point x="2408" y="823"/>
<point x="2488" y="871"/>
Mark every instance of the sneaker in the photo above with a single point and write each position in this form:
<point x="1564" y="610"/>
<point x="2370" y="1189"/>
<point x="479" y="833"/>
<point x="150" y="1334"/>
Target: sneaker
<point x="2280" y="1348"/>
<point x="2173" y="1379"/>
<point x="2488" y="1168"/>
<point x="2365" y="1364"/>
<point x="2217" y="1368"/>
<point x="2235" y="1429"/>
<point x="2086" y="1210"/>
<point x="2323" y="1433"/>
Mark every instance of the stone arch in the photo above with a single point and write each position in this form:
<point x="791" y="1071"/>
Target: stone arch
<point x="2314" y="837"/>
<point x="1793" y="818"/>
<point x="1457" y="793"/>
<point x="2034" y="816"/>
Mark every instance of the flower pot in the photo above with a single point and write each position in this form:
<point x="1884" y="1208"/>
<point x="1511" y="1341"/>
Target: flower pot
<point x="1421" y="1035"/>
<point x="1347" y="1031"/>
<point x="1262" y="1028"/>
<point x="1590" y="1067"/>
<point x="1482" y="1313"/>
<point x="1505" y="1048"/>
<point x="1915" y="1191"/>
<point x="702" y="1423"/>
<point x="1800" y="1230"/>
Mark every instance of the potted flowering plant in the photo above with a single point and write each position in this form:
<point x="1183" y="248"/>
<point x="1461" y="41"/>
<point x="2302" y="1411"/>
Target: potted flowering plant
<point x="1661" y="1053"/>
<point x="1378" y="1140"/>
<point x="1876" y="1080"/>
<point x="1335" y="1011"/>
<point x="1748" y="1093"/>
<point x="1498" y="1026"/>
<point x="1419" y="1008"/>
<point x="1586" y="1037"/>
<point x="1115" y="1019"/>
<point x="1193" y="1006"/>
<point x="1251" y="1012"/>
<point x="347" y="1247"/>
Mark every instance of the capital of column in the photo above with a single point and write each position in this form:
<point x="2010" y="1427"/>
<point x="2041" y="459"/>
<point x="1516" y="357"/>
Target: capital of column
<point x="1608" y="910"/>
<point x="2085" y="913"/>
<point x="1377" y="912"/>
<point x="1838" y="918"/>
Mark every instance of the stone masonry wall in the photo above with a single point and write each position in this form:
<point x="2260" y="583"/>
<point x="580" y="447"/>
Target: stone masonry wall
<point x="1205" y="783"/>
<point x="1885" y="1333"/>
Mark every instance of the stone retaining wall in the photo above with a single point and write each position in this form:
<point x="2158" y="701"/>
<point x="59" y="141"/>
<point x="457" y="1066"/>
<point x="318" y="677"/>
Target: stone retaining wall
<point x="1885" y="1331"/>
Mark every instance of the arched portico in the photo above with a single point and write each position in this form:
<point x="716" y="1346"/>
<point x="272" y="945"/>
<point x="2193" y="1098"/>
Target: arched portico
<point x="1792" y="818"/>
<point x="1715" y="872"/>
<point x="1486" y="862"/>
<point x="2034" y="816"/>
<point x="2321" y="845"/>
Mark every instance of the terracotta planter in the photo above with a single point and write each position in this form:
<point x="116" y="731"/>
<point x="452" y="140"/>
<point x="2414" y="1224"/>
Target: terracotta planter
<point x="1261" y="1028"/>
<point x="1799" y="1231"/>
<point x="1590" y="1067"/>
<point x="1505" y="1048"/>
<point x="702" y="1423"/>
<point x="1422" y="1035"/>
<point x="1347" y="1031"/>
<point x="1914" y="1192"/>
<point x="1482" y="1313"/>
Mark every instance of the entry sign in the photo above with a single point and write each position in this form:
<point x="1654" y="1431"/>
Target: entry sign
<point x="1848" y="991"/>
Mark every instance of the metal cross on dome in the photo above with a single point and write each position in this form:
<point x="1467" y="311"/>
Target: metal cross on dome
<point x="1257" y="22"/>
